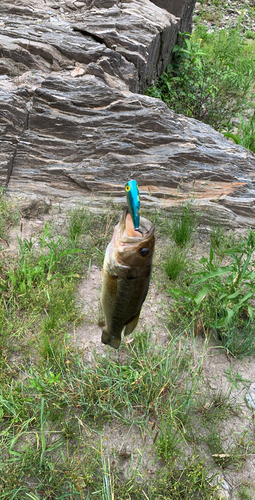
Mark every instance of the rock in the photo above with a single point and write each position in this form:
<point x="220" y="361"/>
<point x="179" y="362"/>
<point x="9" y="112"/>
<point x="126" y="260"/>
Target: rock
<point x="180" y="9"/>
<point x="223" y="488"/>
<point x="71" y="5"/>
<point x="78" y="71"/>
<point x="13" y="121"/>
<point x="250" y="397"/>
<point x="79" y="5"/>
<point x="75" y="125"/>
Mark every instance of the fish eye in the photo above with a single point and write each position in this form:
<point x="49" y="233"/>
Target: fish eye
<point x="144" y="251"/>
<point x="127" y="188"/>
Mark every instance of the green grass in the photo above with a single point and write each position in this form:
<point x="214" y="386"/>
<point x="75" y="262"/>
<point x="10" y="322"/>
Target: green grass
<point x="56" y="406"/>
<point x="221" y="240"/>
<point x="221" y="296"/>
<point x="245" y="135"/>
<point x="175" y="262"/>
<point x="188" y="483"/>
<point x="183" y="225"/>
<point x="216" y="406"/>
<point x="227" y="456"/>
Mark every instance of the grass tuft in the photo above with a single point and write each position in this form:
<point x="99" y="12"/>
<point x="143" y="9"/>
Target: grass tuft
<point x="183" y="225"/>
<point x="175" y="263"/>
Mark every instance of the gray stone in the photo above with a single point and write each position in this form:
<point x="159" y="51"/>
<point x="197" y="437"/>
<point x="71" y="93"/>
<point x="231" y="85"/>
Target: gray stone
<point x="179" y="8"/>
<point x="250" y="397"/>
<point x="74" y="122"/>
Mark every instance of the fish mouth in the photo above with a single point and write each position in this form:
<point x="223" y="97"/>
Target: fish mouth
<point x="128" y="232"/>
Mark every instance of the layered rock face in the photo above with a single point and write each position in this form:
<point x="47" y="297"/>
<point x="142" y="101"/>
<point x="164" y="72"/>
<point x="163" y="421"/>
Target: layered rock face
<point x="76" y="125"/>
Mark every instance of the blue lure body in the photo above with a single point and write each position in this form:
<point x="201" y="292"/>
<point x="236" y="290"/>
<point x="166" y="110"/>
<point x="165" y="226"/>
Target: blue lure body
<point x="133" y="199"/>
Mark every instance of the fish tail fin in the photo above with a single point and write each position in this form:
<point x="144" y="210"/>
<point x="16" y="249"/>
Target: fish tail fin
<point x="110" y="339"/>
<point x="131" y="325"/>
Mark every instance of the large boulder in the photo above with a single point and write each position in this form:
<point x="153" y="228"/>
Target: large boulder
<point x="76" y="126"/>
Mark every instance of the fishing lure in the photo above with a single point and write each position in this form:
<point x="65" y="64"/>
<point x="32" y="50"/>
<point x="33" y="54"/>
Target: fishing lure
<point x="133" y="199"/>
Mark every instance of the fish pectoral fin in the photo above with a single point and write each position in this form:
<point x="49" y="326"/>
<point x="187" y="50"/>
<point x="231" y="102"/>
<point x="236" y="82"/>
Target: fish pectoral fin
<point x="131" y="326"/>
<point x="110" y="339"/>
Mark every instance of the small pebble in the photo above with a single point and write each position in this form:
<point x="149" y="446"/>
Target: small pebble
<point x="250" y="397"/>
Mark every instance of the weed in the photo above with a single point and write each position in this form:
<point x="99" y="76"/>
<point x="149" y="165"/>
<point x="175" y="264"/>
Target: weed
<point x="220" y="239"/>
<point x="238" y="341"/>
<point x="246" y="133"/>
<point x="110" y="387"/>
<point x="236" y="378"/>
<point x="223" y="301"/>
<point x="211" y="77"/>
<point x="189" y="483"/>
<point x="250" y="34"/>
<point x="226" y="456"/>
<point x="161" y="220"/>
<point x="80" y="222"/>
<point x="89" y="231"/>
<point x="174" y="263"/>
<point x="169" y="439"/>
<point x="108" y="484"/>
<point x="245" y="493"/>
<point x="216" y="407"/>
<point x="54" y="404"/>
<point x="33" y="267"/>
<point x="184" y="225"/>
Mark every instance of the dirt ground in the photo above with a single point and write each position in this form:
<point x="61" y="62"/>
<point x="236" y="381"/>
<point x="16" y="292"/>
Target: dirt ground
<point x="135" y="448"/>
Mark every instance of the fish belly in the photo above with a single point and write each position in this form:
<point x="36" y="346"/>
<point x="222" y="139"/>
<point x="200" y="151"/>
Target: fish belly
<point x="121" y="302"/>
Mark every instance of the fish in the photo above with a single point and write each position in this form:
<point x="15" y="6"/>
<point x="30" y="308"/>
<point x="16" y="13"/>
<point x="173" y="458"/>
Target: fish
<point x="133" y="200"/>
<point x="126" y="277"/>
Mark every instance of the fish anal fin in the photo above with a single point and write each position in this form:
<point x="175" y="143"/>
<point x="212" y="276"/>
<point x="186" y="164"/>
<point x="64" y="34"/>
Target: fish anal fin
<point x="131" y="325"/>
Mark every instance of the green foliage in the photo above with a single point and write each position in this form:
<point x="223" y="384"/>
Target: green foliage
<point x="175" y="262"/>
<point x="222" y="295"/>
<point x="220" y="240"/>
<point x="226" y="456"/>
<point x="169" y="439"/>
<point x="80" y="222"/>
<point x="245" y="493"/>
<point x="211" y="77"/>
<point x="22" y="477"/>
<point x="246" y="133"/>
<point x="238" y="340"/>
<point x="216" y="407"/>
<point x="150" y="382"/>
<point x="34" y="267"/>
<point x="188" y="484"/>
<point x="250" y="35"/>
<point x="90" y="231"/>
<point x="9" y="215"/>
<point x="111" y="389"/>
<point x="184" y="225"/>
<point x="236" y="379"/>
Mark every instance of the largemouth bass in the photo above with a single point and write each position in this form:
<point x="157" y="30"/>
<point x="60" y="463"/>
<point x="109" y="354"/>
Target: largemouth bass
<point x="126" y="277"/>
